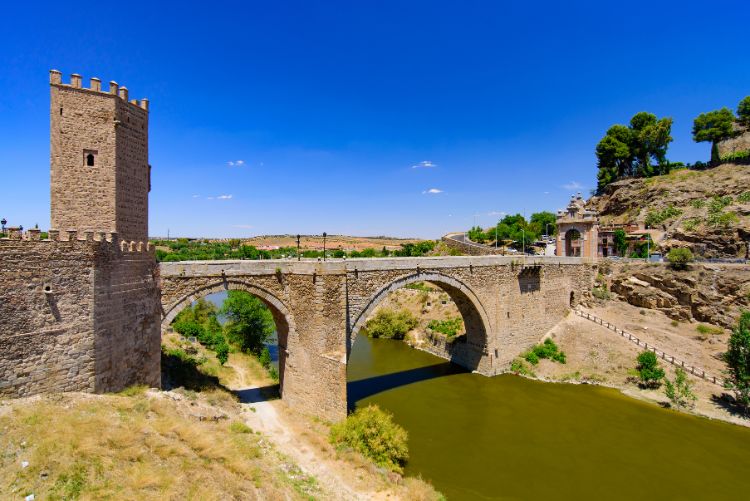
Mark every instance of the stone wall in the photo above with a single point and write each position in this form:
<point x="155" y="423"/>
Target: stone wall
<point x="470" y="248"/>
<point x="737" y="144"/>
<point x="77" y="315"/>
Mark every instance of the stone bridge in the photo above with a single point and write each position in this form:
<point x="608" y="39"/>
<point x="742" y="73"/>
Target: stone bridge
<point x="507" y="304"/>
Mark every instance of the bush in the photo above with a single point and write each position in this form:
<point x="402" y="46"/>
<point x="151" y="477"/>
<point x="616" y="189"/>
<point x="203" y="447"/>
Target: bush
<point x="450" y="327"/>
<point x="738" y="157"/>
<point x="600" y="292"/>
<point x="679" y="257"/>
<point x="744" y="197"/>
<point x="389" y="324"/>
<point x="548" y="349"/>
<point x="657" y="217"/>
<point x="518" y="366"/>
<point x="372" y="432"/>
<point x="649" y="371"/>
<point x="737" y="358"/>
<point x="680" y="391"/>
<point x="709" y="329"/>
<point x="222" y="352"/>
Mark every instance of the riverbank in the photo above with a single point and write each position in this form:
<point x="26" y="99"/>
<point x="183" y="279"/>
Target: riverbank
<point x="596" y="355"/>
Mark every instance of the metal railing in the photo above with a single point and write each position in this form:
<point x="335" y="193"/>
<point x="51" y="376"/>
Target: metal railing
<point x="690" y="369"/>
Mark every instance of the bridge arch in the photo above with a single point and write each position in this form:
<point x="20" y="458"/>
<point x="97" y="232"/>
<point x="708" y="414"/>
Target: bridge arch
<point x="474" y="314"/>
<point x="282" y="318"/>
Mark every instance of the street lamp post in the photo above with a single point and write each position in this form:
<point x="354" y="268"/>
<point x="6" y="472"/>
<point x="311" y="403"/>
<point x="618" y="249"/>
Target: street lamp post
<point x="495" y="237"/>
<point x="324" y="245"/>
<point x="523" y="244"/>
<point x="298" y="254"/>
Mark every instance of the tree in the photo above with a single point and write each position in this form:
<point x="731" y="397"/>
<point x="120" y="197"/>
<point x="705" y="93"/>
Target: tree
<point x="713" y="127"/>
<point x="743" y="112"/>
<point x="680" y="391"/>
<point x="249" y="322"/>
<point x="540" y="221"/>
<point x="476" y="234"/>
<point x="649" y="370"/>
<point x="737" y="358"/>
<point x="390" y="324"/>
<point x="621" y="242"/>
<point x="679" y="257"/>
<point x="638" y="149"/>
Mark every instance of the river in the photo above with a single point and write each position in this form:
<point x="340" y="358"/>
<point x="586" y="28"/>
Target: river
<point x="508" y="437"/>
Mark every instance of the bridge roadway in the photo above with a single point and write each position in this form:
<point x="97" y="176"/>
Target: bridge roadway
<point x="507" y="303"/>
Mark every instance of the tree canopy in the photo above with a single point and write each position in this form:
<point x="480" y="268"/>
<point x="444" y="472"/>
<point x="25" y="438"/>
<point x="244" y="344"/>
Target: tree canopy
<point x="713" y="126"/>
<point x="249" y="321"/>
<point x="635" y="150"/>
<point x="743" y="112"/>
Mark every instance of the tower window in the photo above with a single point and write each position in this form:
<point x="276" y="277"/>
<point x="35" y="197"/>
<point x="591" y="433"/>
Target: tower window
<point x="89" y="158"/>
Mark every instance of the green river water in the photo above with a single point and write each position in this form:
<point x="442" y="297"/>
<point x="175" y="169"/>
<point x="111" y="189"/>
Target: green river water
<point x="507" y="437"/>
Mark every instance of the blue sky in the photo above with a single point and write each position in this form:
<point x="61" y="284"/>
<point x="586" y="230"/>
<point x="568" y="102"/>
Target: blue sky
<point x="402" y="118"/>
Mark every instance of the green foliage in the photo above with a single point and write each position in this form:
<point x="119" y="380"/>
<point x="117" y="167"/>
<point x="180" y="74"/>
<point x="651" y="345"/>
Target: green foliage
<point x="372" y="432"/>
<point x="621" y="241"/>
<point x="713" y="126"/>
<point x="744" y="197"/>
<point x="541" y="221"/>
<point x="601" y="292"/>
<point x="415" y="249"/>
<point x="698" y="203"/>
<point x="548" y="349"/>
<point x="679" y="257"/>
<point x="418" y="286"/>
<point x="737" y="358"/>
<point x="516" y="229"/>
<point x="743" y="112"/>
<point x="239" y="427"/>
<point x="649" y="371"/>
<point x="635" y="150"/>
<point x="222" y="352"/>
<point x="680" y="391"/>
<point x="709" y="329"/>
<point x="739" y="157"/>
<point x="518" y="366"/>
<point x="450" y="327"/>
<point x="657" y="217"/>
<point x="390" y="324"/>
<point x="249" y="321"/>
<point x="716" y="215"/>
<point x="476" y="234"/>
<point x="691" y="224"/>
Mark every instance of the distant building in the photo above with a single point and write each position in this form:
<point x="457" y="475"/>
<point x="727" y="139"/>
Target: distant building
<point x="580" y="234"/>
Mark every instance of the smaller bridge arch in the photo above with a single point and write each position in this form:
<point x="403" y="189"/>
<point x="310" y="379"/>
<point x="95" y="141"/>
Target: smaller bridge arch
<point x="474" y="314"/>
<point x="282" y="318"/>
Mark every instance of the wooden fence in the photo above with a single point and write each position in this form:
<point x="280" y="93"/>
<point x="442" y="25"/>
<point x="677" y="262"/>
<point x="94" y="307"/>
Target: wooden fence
<point x="695" y="371"/>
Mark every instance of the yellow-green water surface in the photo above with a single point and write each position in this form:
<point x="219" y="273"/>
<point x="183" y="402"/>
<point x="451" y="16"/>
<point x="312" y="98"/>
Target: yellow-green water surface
<point x="508" y="437"/>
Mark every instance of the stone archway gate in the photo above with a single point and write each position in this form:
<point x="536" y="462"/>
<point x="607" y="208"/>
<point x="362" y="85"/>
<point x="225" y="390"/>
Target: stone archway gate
<point x="507" y="303"/>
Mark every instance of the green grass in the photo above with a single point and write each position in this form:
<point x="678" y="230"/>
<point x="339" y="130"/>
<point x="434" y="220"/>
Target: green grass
<point x="709" y="329"/>
<point x="548" y="349"/>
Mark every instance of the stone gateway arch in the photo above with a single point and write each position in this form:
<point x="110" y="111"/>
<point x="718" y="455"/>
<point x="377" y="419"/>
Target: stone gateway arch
<point x="319" y="307"/>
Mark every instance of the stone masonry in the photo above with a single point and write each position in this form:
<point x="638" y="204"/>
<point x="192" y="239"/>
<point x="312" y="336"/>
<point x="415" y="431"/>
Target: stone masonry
<point x="80" y="310"/>
<point x="507" y="306"/>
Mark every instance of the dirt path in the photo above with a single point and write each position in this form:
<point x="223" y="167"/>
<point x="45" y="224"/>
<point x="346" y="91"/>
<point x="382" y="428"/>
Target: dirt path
<point x="267" y="417"/>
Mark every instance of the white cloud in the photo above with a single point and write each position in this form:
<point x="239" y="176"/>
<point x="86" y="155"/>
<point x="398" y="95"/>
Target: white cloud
<point x="546" y="192"/>
<point x="424" y="164"/>
<point x="196" y="196"/>
<point x="224" y="197"/>
<point x="236" y="163"/>
<point x="432" y="191"/>
<point x="209" y="198"/>
<point x="573" y="186"/>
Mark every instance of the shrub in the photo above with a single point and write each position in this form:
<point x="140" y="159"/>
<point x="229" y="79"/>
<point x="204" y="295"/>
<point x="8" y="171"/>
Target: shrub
<point x="418" y="286"/>
<point x="691" y="223"/>
<point x="239" y="427"/>
<point x="450" y="327"/>
<point x="656" y="217"/>
<point x="709" y="329"/>
<point x="600" y="292"/>
<point x="372" y="432"/>
<point x="222" y="352"/>
<point x="744" y="197"/>
<point x="649" y="371"/>
<point x="519" y="367"/>
<point x="390" y="324"/>
<point x="737" y="358"/>
<point x="548" y="349"/>
<point x="698" y="203"/>
<point x="735" y="158"/>
<point x="680" y="391"/>
<point x="679" y="257"/>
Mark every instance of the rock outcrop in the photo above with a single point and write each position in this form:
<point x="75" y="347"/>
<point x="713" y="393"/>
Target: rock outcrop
<point x="707" y="293"/>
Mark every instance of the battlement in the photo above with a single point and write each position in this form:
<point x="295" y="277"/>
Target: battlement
<point x="68" y="236"/>
<point x="95" y="85"/>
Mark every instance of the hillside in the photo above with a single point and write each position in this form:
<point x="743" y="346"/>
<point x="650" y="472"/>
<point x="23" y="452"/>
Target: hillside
<point x="707" y="211"/>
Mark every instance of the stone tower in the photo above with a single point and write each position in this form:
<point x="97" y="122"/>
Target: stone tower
<point x="100" y="176"/>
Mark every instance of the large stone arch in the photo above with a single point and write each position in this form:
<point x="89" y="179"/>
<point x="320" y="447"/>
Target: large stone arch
<point x="474" y="314"/>
<point x="281" y="316"/>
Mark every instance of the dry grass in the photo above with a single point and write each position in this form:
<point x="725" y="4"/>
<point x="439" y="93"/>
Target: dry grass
<point x="134" y="447"/>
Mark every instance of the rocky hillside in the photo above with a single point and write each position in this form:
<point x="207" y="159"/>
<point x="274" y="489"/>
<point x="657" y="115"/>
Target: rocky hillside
<point x="707" y="211"/>
<point x="713" y="293"/>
